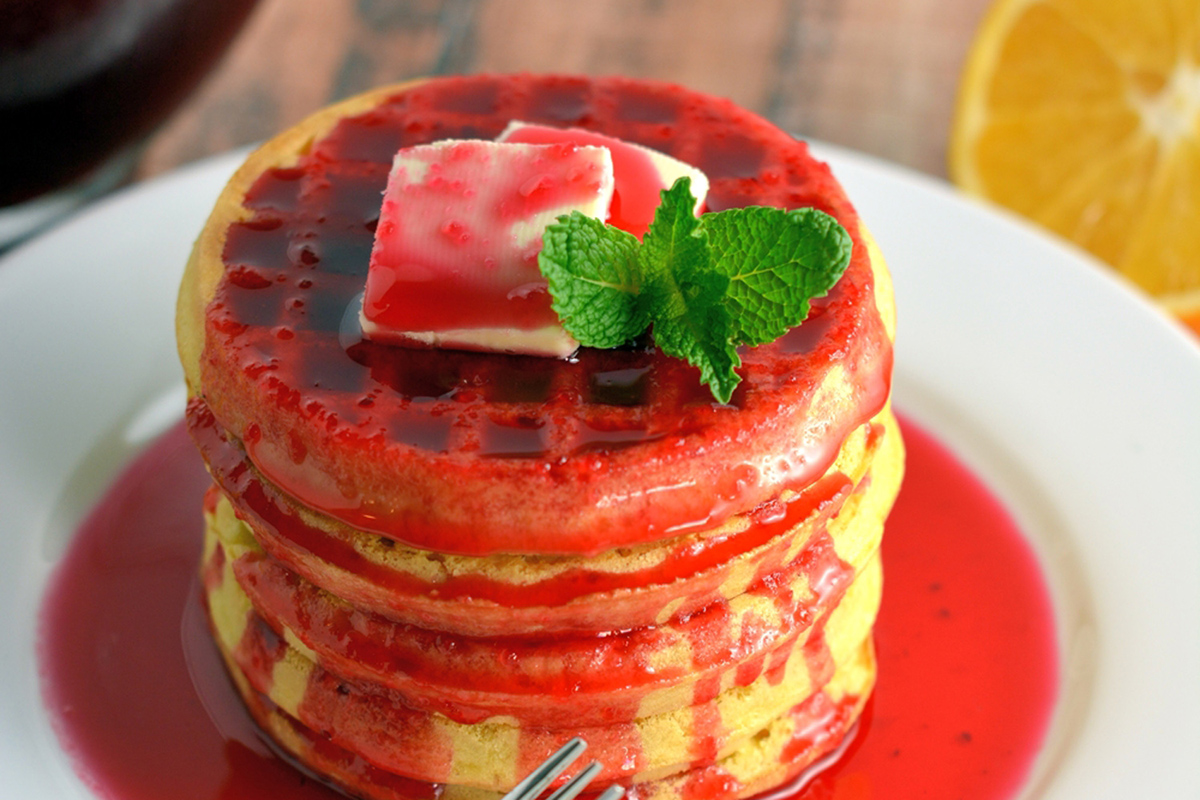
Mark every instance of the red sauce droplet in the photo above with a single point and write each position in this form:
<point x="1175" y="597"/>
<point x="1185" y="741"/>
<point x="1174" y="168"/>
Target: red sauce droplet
<point x="967" y="652"/>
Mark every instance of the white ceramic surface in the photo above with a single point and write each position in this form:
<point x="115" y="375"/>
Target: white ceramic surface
<point x="1063" y="389"/>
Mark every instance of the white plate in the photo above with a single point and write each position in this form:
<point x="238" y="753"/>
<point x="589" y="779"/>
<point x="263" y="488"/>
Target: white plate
<point x="1064" y="390"/>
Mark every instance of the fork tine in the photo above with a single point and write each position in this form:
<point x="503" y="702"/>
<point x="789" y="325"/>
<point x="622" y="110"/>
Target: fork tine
<point x="533" y="784"/>
<point x="577" y="784"/>
<point x="614" y="792"/>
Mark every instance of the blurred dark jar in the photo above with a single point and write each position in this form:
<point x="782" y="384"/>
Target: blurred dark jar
<point x="84" y="80"/>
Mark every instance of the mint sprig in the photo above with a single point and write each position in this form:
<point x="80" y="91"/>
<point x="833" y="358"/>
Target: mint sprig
<point x="707" y="285"/>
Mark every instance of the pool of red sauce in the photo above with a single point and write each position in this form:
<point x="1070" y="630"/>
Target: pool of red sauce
<point x="968" y="657"/>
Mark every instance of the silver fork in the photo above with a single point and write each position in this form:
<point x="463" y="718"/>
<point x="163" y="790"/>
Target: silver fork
<point x="536" y="782"/>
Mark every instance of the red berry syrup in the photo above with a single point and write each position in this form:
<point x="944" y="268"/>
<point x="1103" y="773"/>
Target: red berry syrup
<point x="968" y="660"/>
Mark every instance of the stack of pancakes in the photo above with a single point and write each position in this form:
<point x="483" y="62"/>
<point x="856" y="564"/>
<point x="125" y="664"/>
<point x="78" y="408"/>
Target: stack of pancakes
<point x="428" y="569"/>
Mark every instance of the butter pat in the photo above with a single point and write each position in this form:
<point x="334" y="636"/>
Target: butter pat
<point x="641" y="173"/>
<point x="454" y="262"/>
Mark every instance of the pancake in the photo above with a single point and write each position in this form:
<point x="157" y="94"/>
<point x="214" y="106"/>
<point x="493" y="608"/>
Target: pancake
<point x="474" y="453"/>
<point x="383" y="727"/>
<point x="429" y="568"/>
<point x="653" y="668"/>
<point x="777" y="755"/>
<point x="529" y="594"/>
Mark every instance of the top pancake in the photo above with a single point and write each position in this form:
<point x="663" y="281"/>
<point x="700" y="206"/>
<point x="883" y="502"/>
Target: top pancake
<point x="482" y="453"/>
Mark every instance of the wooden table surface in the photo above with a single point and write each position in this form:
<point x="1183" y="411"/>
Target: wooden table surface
<point x="877" y="76"/>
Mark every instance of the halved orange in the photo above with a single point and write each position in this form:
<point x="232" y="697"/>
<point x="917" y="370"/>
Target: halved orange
<point x="1084" y="115"/>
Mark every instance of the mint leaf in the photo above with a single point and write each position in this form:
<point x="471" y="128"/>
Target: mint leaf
<point x="776" y="261"/>
<point x="684" y="295"/>
<point x="692" y="323"/>
<point x="675" y="242"/>
<point x="737" y="277"/>
<point x="594" y="280"/>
